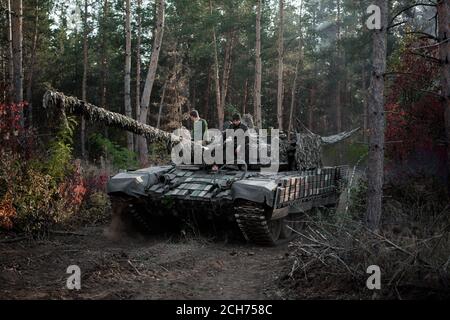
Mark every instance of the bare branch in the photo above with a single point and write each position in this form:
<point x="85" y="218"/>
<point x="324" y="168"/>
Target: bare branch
<point x="408" y="8"/>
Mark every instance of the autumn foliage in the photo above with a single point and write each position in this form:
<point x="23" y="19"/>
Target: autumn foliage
<point x="37" y="189"/>
<point x="415" y="113"/>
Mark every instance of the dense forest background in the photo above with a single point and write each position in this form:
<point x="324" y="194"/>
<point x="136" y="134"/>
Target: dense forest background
<point x="326" y="58"/>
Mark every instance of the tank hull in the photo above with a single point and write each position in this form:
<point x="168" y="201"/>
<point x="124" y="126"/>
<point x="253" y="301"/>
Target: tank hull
<point x="251" y="199"/>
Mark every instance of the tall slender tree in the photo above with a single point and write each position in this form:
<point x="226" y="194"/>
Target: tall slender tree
<point x="138" y="66"/>
<point x="297" y="66"/>
<point x="231" y="37"/>
<point x="17" y="42"/>
<point x="104" y="53"/>
<point x="10" y="52"/>
<point x="338" y="62"/>
<point x="375" y="166"/>
<point x="32" y="64"/>
<point x="280" y="90"/>
<point x="84" y="80"/>
<point x="219" y="107"/>
<point x="151" y="75"/>
<point x="127" y="86"/>
<point x="443" y="10"/>
<point x="258" y="69"/>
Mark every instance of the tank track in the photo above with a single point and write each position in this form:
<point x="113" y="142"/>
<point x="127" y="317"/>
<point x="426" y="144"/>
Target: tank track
<point x="252" y="221"/>
<point x="129" y="212"/>
<point x="138" y="217"/>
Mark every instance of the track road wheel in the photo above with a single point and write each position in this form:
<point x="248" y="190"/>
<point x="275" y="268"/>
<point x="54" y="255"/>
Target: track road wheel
<point x="275" y="227"/>
<point x="287" y="224"/>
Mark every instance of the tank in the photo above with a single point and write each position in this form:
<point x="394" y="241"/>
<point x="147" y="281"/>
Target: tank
<point x="266" y="206"/>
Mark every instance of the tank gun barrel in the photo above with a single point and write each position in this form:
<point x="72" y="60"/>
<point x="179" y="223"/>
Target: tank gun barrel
<point x="62" y="104"/>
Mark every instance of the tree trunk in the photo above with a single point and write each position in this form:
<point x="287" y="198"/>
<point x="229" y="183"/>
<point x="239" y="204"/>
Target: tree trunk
<point x="146" y="95"/>
<point x="219" y="107"/>
<point x="377" y="122"/>
<point x="338" y="97"/>
<point x="17" y="41"/>
<point x="207" y="95"/>
<point x="127" y="87"/>
<point x="258" y="69"/>
<point x="10" y="54"/>
<point x="365" y="113"/>
<point x="194" y="94"/>
<point x="138" y="69"/>
<point x="244" y="104"/>
<point x="4" y="72"/>
<point x="161" y="104"/>
<point x="293" y="93"/>
<point x="32" y="65"/>
<point x="104" y="60"/>
<point x="311" y="108"/>
<point x="227" y="68"/>
<point x="443" y="8"/>
<point x="280" y="90"/>
<point x="84" y="81"/>
<point x="297" y="65"/>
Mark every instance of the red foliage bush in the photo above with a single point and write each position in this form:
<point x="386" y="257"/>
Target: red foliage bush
<point x="32" y="199"/>
<point x="73" y="188"/>
<point x="14" y="136"/>
<point x="415" y="114"/>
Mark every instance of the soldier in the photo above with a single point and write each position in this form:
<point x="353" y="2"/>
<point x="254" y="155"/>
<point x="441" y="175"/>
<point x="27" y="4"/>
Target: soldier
<point x="236" y="124"/>
<point x="200" y="127"/>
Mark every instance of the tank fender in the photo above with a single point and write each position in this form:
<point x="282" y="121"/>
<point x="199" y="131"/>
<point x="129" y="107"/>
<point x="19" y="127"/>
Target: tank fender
<point x="259" y="191"/>
<point x="135" y="183"/>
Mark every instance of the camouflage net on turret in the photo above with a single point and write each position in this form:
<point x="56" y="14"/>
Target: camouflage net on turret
<point x="308" y="151"/>
<point x="61" y="104"/>
<point x="247" y="119"/>
<point x="307" y="148"/>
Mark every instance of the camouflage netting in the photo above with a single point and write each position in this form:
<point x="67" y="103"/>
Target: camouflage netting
<point x="61" y="104"/>
<point x="308" y="151"/>
<point x="247" y="119"/>
<point x="307" y="148"/>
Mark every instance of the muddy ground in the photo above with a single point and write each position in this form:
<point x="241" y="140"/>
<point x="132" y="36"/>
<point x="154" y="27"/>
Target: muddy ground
<point x="140" y="268"/>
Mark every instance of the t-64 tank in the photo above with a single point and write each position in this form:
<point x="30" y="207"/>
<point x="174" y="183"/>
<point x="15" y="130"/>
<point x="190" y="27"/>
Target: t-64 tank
<point x="265" y="205"/>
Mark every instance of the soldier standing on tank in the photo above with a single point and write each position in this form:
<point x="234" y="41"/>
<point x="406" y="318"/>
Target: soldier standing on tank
<point x="236" y="124"/>
<point x="200" y="127"/>
<point x="199" y="136"/>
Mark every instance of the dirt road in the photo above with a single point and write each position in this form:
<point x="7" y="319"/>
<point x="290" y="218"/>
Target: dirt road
<point x="151" y="268"/>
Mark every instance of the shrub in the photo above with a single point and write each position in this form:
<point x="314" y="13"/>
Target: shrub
<point x="7" y="212"/>
<point x="38" y="193"/>
<point x="120" y="157"/>
<point x="60" y="149"/>
<point x="159" y="154"/>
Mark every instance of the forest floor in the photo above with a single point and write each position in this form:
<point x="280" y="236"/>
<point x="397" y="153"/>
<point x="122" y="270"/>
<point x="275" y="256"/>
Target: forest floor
<point x="140" y="268"/>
